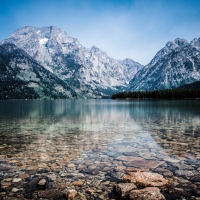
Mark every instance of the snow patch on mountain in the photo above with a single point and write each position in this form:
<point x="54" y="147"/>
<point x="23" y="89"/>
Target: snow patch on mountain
<point x="43" y="41"/>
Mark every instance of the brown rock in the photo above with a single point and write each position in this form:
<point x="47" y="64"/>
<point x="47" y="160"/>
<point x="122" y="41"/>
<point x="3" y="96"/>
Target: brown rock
<point x="145" y="179"/>
<point x="50" y="194"/>
<point x="55" y="167"/>
<point x="92" y="167"/>
<point x="43" y="165"/>
<point x="16" y="180"/>
<point x="120" y="169"/>
<point x="23" y="167"/>
<point x="67" y="160"/>
<point x="14" y="190"/>
<point x="71" y="194"/>
<point x="29" y="168"/>
<point x="42" y="184"/>
<point x="23" y="176"/>
<point x="78" y="183"/>
<point x="144" y="163"/>
<point x="62" y="185"/>
<point x="149" y="193"/>
<point x="6" y="184"/>
<point x="123" y="189"/>
<point x="8" y="179"/>
<point x="81" y="167"/>
<point x="52" y="177"/>
<point x="71" y="165"/>
<point x="106" y="169"/>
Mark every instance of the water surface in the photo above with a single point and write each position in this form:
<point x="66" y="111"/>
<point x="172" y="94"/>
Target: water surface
<point x="92" y="141"/>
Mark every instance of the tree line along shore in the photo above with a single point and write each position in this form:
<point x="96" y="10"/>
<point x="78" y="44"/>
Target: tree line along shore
<point x="179" y="93"/>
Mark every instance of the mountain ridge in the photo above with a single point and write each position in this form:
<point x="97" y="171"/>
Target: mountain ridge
<point x="90" y="71"/>
<point x="176" y="64"/>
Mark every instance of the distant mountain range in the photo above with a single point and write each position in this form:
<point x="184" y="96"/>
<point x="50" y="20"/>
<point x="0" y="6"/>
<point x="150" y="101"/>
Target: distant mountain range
<point x="47" y="63"/>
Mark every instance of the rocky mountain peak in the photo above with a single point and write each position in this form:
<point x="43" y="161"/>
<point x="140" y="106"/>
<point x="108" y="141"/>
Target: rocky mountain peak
<point x="96" y="50"/>
<point x="178" y="42"/>
<point x="196" y="43"/>
<point x="181" y="42"/>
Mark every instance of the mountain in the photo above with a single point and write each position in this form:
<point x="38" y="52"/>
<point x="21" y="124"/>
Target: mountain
<point x="21" y="77"/>
<point x="195" y="85"/>
<point x="89" y="71"/>
<point x="178" y="63"/>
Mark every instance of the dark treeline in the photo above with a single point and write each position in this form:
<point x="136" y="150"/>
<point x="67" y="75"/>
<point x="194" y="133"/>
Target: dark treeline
<point x="16" y="90"/>
<point x="179" y="93"/>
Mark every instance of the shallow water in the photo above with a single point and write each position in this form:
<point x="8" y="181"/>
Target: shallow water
<point x="86" y="144"/>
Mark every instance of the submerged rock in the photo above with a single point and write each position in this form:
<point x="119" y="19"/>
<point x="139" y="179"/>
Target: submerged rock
<point x="16" y="180"/>
<point x="50" y="194"/>
<point x="183" y="173"/>
<point x="123" y="189"/>
<point x="145" y="179"/>
<point x="195" y="178"/>
<point x="144" y="163"/>
<point x="42" y="184"/>
<point x="148" y="193"/>
<point x="71" y="194"/>
<point x="32" y="185"/>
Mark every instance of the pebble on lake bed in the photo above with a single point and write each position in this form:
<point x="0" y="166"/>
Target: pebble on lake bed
<point x="16" y="180"/>
<point x="71" y="194"/>
<point x="14" y="190"/>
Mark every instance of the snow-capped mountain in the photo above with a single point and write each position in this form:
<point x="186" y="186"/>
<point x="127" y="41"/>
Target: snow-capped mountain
<point x="178" y="63"/>
<point x="21" y="77"/>
<point x="91" y="72"/>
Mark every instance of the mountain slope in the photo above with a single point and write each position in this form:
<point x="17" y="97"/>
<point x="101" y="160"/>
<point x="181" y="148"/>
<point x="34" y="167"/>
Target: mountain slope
<point x="91" y="72"/>
<point x="195" y="85"/>
<point x="178" y="63"/>
<point x="21" y="77"/>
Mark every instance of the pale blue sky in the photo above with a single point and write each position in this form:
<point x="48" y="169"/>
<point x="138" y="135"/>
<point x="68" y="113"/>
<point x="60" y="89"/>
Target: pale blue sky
<point x="134" y="29"/>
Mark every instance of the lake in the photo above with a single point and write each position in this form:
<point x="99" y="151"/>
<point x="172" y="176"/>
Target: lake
<point x="88" y="145"/>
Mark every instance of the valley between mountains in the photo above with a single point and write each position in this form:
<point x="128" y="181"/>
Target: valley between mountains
<point x="46" y="63"/>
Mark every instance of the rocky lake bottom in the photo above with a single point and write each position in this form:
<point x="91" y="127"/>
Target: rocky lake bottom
<point x="99" y="150"/>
